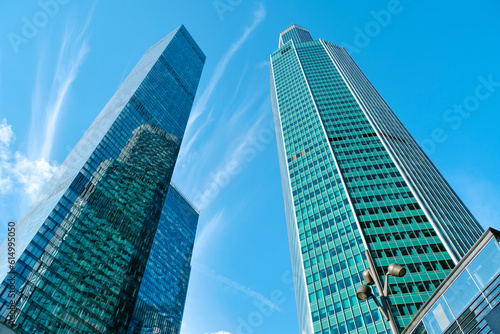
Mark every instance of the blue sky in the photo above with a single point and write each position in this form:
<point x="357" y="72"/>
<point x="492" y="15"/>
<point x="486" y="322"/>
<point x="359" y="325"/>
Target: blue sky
<point x="436" y="64"/>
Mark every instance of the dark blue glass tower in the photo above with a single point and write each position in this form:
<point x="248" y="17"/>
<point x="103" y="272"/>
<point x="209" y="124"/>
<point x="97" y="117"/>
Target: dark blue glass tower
<point x="83" y="247"/>
<point x="163" y="290"/>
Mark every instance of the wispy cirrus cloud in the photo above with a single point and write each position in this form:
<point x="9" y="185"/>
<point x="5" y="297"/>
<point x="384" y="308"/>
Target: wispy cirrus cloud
<point x="258" y="16"/>
<point x="263" y="64"/>
<point x="64" y="77"/>
<point x="187" y="148"/>
<point x="205" y="235"/>
<point x="194" y="133"/>
<point x="73" y="50"/>
<point x="240" y="287"/>
<point x="28" y="173"/>
<point x="240" y="81"/>
<point x="246" y="142"/>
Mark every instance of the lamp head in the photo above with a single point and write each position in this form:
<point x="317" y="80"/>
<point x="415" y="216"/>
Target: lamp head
<point x="395" y="269"/>
<point x="367" y="276"/>
<point x="364" y="292"/>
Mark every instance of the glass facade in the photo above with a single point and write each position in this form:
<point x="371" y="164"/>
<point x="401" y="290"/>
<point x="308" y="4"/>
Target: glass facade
<point x="160" y="303"/>
<point x="469" y="301"/>
<point x="84" y="245"/>
<point x="295" y="33"/>
<point x="347" y="191"/>
<point x="451" y="219"/>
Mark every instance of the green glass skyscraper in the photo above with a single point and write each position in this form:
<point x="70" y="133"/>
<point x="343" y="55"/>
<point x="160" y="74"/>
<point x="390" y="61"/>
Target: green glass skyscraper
<point x="84" y="246"/>
<point x="359" y="192"/>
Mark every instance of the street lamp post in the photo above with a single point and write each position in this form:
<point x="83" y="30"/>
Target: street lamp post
<point x="364" y="291"/>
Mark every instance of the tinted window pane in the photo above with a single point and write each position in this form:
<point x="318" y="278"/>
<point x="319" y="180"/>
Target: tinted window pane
<point x="486" y="265"/>
<point x="438" y="318"/>
<point x="461" y="293"/>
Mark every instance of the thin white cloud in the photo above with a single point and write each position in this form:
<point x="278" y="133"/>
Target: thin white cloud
<point x="240" y="287"/>
<point x="193" y="133"/>
<point x="246" y="146"/>
<point x="47" y="104"/>
<point x="65" y="75"/>
<point x="240" y="81"/>
<point x="37" y="110"/>
<point x="263" y="64"/>
<point x="220" y="332"/>
<point x="242" y="109"/>
<point x="186" y="149"/>
<point x="201" y="105"/>
<point x="27" y="174"/>
<point x="186" y="153"/>
<point x="204" y="237"/>
<point x="69" y="62"/>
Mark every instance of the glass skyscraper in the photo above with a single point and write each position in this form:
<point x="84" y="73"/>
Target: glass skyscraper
<point x="160" y="303"/>
<point x="359" y="192"/>
<point x="83" y="246"/>
<point x="468" y="300"/>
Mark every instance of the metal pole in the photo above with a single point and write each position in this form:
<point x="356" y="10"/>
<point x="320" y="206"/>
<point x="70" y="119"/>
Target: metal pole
<point x="385" y="302"/>
<point x="392" y="321"/>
